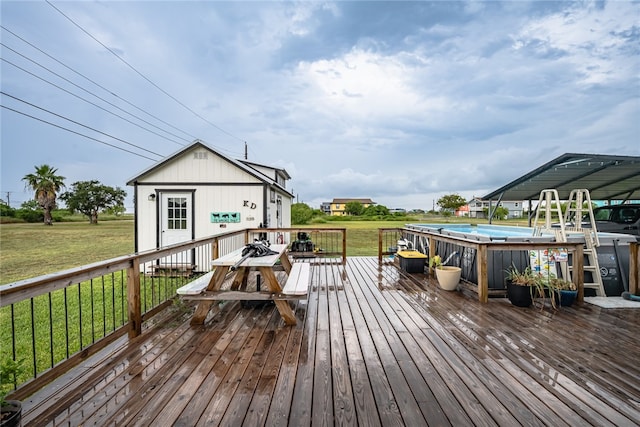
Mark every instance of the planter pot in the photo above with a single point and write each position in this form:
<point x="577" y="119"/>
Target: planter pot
<point x="519" y="296"/>
<point x="448" y="277"/>
<point x="565" y="298"/>
<point x="11" y="414"/>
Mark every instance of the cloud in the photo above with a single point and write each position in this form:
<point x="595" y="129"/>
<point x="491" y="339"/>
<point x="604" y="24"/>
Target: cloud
<point x="401" y="102"/>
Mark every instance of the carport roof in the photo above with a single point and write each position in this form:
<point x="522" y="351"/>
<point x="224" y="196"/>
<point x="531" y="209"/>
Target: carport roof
<point x="607" y="177"/>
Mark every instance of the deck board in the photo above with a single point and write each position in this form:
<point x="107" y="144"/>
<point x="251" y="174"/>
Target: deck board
<point x="373" y="346"/>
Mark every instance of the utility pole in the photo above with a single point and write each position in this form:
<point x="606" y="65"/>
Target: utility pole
<point x="246" y="154"/>
<point x="9" y="198"/>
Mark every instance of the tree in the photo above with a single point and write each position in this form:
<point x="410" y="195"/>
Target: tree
<point x="354" y="208"/>
<point x="376" y="210"/>
<point x="30" y="211"/>
<point x="115" y="210"/>
<point x="500" y="212"/>
<point x="91" y="197"/>
<point x="451" y="202"/>
<point x="46" y="185"/>
<point x="301" y="213"/>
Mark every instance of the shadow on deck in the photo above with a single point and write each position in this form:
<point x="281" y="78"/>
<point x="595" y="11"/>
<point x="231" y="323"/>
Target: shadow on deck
<point x="373" y="346"/>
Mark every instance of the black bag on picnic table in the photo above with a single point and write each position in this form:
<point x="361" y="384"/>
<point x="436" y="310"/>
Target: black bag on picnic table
<point x="257" y="249"/>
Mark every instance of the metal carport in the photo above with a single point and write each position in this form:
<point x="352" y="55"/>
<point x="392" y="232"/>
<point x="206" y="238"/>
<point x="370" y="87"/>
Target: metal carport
<point x="607" y="177"/>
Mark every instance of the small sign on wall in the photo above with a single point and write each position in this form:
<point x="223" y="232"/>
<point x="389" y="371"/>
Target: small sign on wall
<point x="218" y="217"/>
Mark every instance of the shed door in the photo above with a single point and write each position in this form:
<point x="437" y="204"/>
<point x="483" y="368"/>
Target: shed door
<point x="176" y="223"/>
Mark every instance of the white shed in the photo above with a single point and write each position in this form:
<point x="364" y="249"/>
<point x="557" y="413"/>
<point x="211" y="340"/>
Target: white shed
<point x="199" y="192"/>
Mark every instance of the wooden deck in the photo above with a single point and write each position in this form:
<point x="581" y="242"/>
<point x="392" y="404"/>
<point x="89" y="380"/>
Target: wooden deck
<point x="373" y="346"/>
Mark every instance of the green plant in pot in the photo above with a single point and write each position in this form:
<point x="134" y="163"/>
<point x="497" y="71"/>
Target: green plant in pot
<point x="563" y="292"/>
<point x="10" y="410"/>
<point x="521" y="285"/>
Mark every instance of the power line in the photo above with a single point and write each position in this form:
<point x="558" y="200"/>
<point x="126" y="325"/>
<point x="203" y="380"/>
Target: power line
<point x="142" y="75"/>
<point x="77" y="133"/>
<point x="97" y="84"/>
<point x="89" y="102"/>
<point x="79" y="124"/>
<point x="89" y="92"/>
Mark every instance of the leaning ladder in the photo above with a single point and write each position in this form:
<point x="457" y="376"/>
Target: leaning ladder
<point x="574" y="209"/>
<point x="573" y="215"/>
<point x="549" y="198"/>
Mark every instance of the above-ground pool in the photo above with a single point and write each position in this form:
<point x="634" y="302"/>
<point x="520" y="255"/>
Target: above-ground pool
<point x="613" y="252"/>
<point x="484" y="232"/>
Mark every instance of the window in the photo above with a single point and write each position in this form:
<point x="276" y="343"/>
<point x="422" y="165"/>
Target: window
<point x="273" y="196"/>
<point x="177" y="213"/>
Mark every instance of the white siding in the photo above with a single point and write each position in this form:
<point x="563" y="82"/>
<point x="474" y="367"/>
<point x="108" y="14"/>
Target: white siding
<point x="270" y="172"/>
<point x="188" y="168"/>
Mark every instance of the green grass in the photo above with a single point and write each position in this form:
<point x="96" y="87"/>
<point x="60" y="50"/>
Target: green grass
<point x="30" y="250"/>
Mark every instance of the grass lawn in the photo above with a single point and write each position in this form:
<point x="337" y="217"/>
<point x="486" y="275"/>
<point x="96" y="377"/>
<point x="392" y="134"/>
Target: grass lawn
<point x="30" y="250"/>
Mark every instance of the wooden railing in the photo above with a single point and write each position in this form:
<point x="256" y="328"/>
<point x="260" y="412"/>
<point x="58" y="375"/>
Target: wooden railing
<point x="55" y="321"/>
<point x="475" y="256"/>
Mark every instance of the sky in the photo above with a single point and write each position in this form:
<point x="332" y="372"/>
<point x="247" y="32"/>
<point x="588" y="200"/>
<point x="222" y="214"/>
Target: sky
<point x="399" y="102"/>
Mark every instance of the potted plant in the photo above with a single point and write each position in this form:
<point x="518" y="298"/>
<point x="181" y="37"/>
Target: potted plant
<point x="448" y="276"/>
<point x="10" y="410"/>
<point x="563" y="292"/>
<point x="521" y="285"/>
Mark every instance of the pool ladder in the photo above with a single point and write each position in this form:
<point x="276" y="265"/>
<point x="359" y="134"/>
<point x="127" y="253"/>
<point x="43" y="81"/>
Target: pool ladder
<point x="573" y="215"/>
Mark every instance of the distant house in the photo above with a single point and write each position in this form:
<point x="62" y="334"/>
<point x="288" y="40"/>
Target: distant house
<point x="199" y="192"/>
<point x="337" y="206"/>
<point x="397" y="210"/>
<point x="325" y="207"/>
<point x="477" y="207"/>
<point x="462" y="211"/>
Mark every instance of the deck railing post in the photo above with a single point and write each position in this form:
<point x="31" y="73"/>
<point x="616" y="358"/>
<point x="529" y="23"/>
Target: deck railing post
<point x="483" y="275"/>
<point x="133" y="298"/>
<point x="634" y="268"/>
<point x="431" y="252"/>
<point x="380" y="233"/>
<point x="344" y="246"/>
<point x="215" y="249"/>
<point x="578" y="268"/>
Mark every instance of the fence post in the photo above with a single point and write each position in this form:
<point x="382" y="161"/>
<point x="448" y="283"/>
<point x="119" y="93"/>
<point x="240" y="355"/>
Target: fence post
<point x="133" y="298"/>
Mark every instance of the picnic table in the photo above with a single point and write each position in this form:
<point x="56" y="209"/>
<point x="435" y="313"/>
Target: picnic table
<point x="207" y="288"/>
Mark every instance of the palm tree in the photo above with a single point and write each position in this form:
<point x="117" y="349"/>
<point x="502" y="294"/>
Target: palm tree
<point x="46" y="184"/>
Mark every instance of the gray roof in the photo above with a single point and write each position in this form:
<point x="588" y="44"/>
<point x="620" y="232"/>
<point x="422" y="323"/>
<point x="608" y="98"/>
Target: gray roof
<point x="607" y="177"/>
